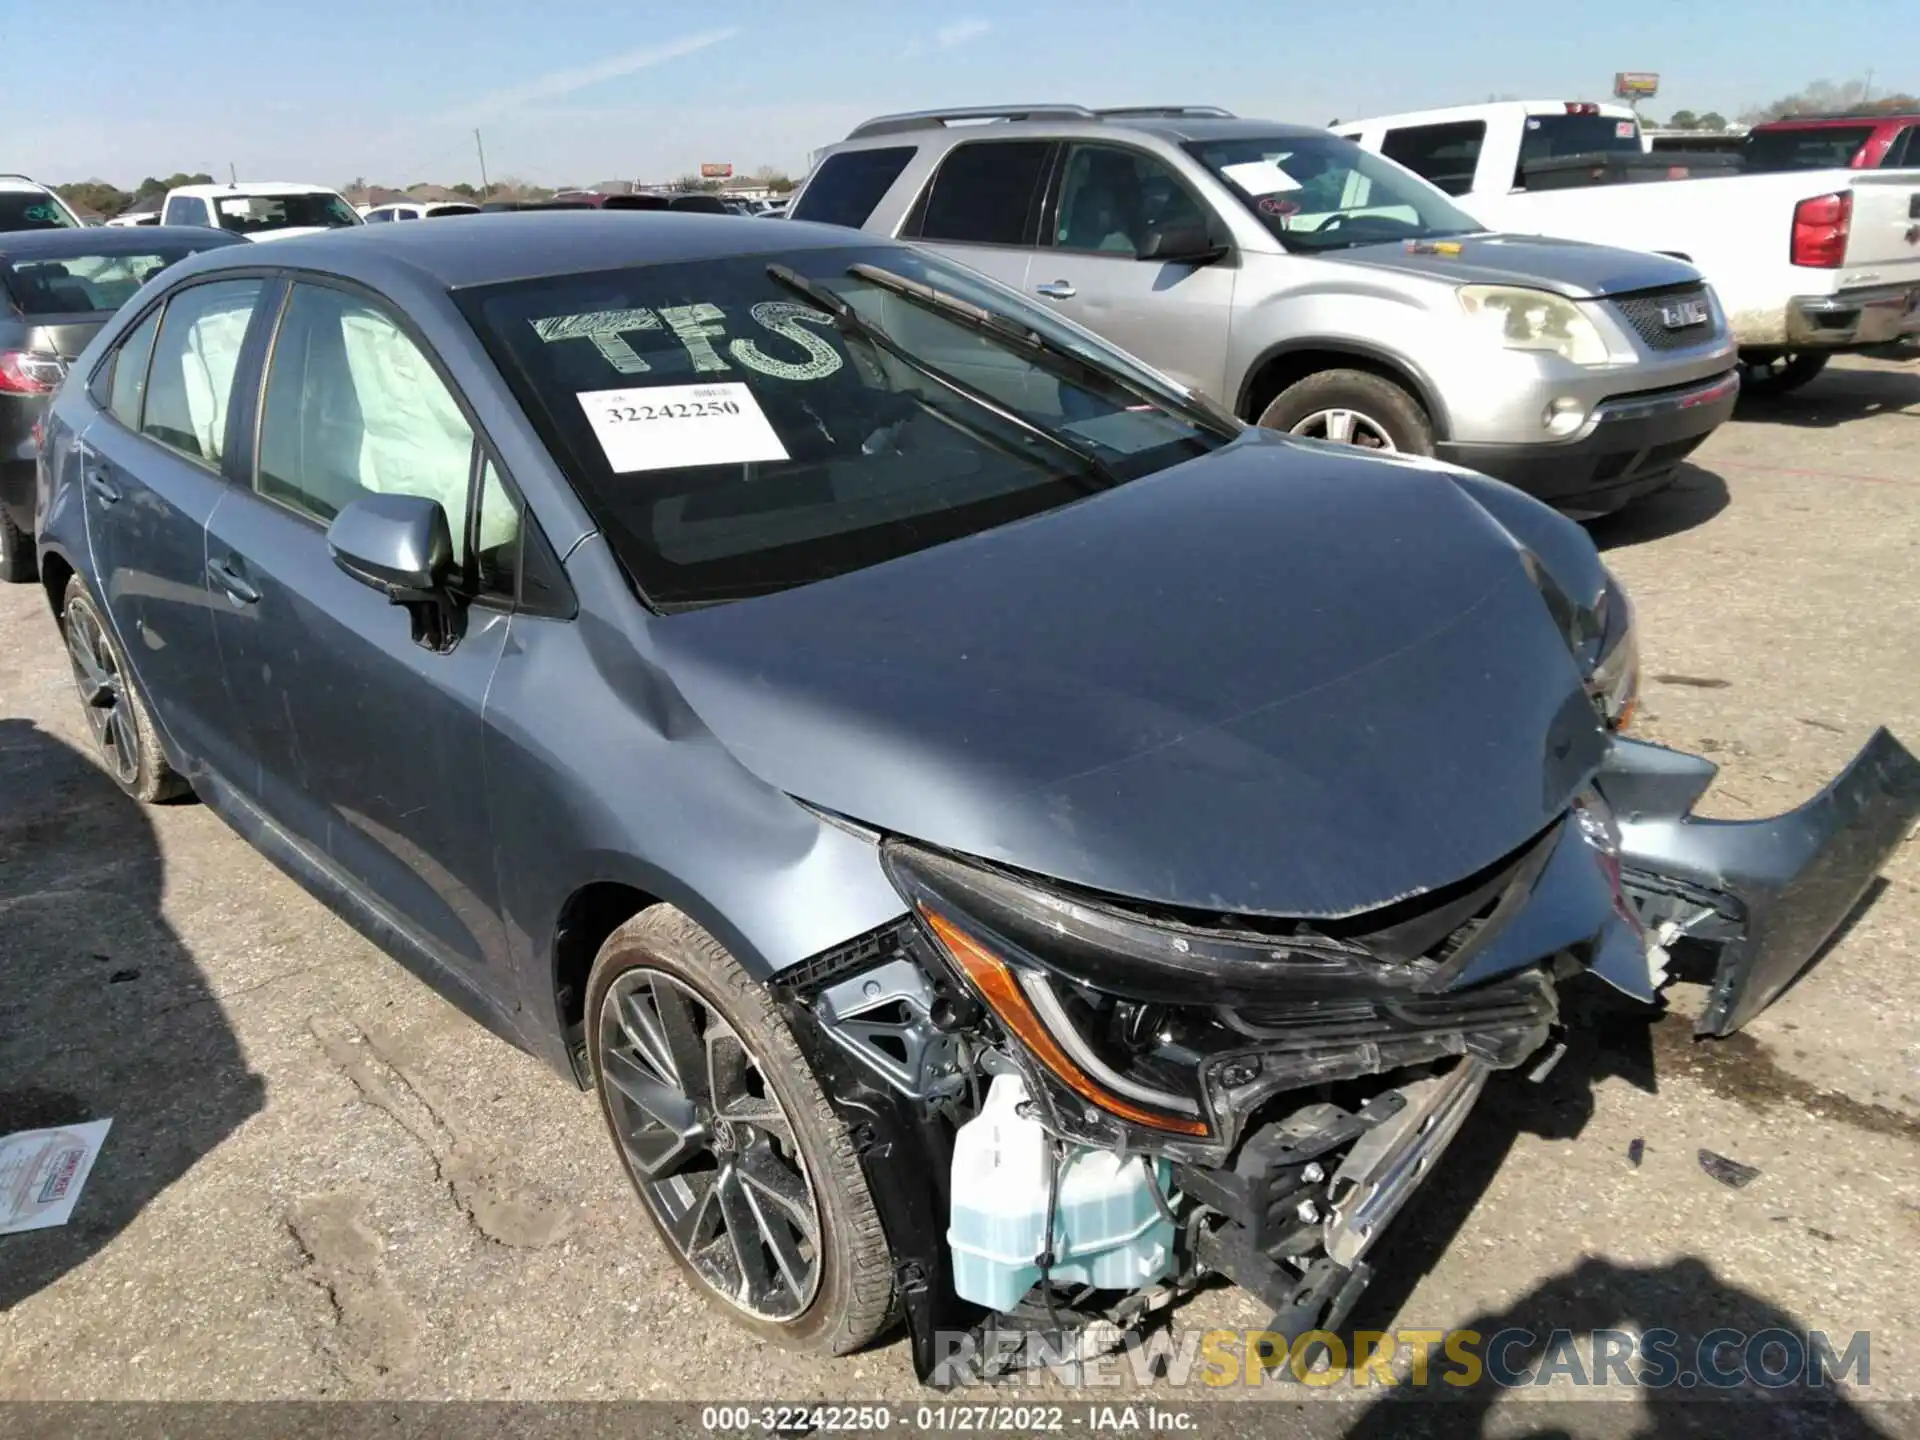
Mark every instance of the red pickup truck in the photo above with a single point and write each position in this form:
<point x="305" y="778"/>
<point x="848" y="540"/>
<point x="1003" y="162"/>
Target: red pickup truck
<point x="1828" y="142"/>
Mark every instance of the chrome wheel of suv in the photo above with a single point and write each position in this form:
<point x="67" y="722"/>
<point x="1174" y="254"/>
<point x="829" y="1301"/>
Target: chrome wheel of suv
<point x="1344" y="427"/>
<point x="712" y="1147"/>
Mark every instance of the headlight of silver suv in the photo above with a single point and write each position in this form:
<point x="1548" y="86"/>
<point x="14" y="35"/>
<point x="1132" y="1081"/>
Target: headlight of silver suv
<point x="1521" y="319"/>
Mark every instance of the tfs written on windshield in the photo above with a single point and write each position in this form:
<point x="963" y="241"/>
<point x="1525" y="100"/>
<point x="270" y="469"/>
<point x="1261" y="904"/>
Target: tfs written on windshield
<point x="701" y="329"/>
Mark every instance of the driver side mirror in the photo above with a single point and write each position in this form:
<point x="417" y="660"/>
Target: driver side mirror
<point x="1182" y="245"/>
<point x="402" y="546"/>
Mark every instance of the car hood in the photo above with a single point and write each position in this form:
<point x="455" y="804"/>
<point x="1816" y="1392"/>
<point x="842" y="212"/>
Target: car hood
<point x="1567" y="267"/>
<point x="1285" y="679"/>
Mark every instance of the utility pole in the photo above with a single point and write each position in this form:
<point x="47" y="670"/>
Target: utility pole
<point x="233" y="176"/>
<point x="482" y="151"/>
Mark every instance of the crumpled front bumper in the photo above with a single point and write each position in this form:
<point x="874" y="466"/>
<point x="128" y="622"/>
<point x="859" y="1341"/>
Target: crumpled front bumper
<point x="1769" y="893"/>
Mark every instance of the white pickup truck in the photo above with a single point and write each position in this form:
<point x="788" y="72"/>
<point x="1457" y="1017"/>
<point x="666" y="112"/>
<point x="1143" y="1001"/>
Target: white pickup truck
<point x="1806" y="264"/>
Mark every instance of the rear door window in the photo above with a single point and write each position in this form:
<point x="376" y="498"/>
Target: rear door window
<point x="986" y="192"/>
<point x="127" y="372"/>
<point x="1904" y="152"/>
<point x="190" y="384"/>
<point x="1818" y="147"/>
<point x="1443" y="155"/>
<point x="850" y="184"/>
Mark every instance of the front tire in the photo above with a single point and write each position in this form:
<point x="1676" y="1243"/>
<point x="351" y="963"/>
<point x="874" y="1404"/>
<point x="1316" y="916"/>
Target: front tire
<point x="123" y="732"/>
<point x="1353" y="407"/>
<point x="749" y="1177"/>
<point x="1780" y="374"/>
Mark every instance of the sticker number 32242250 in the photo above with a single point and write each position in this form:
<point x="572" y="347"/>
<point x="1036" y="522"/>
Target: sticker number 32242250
<point x="671" y="427"/>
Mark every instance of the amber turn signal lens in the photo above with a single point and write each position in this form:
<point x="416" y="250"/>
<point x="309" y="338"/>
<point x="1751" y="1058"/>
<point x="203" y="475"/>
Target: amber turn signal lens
<point x="998" y="987"/>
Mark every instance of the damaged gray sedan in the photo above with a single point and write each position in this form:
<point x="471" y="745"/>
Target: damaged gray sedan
<point x="1002" y="839"/>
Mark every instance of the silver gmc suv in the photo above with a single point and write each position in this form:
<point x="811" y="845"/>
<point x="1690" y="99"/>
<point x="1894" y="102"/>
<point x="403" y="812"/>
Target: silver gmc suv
<point x="1311" y="286"/>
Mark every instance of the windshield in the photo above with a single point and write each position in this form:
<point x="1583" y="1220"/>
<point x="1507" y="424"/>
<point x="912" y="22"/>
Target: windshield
<point x="78" y="284"/>
<point x="1320" y="192"/>
<point x="32" y="210"/>
<point x="253" y="214"/>
<point x="1824" y="147"/>
<point x="732" y="439"/>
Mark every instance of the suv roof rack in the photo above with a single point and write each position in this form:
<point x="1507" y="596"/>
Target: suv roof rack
<point x="1146" y="112"/>
<point x="939" y="119"/>
<point x="16" y="175"/>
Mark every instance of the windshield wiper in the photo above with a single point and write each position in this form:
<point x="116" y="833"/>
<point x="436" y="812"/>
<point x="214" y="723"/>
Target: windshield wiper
<point x="1026" y="338"/>
<point x="851" y="322"/>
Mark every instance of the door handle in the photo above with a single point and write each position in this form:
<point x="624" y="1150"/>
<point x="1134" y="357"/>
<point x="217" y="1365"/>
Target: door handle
<point x="94" y="476"/>
<point x="222" y="573"/>
<point x="1056" y="290"/>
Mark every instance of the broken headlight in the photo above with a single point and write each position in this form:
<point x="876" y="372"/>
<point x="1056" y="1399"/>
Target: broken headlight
<point x="1614" y="680"/>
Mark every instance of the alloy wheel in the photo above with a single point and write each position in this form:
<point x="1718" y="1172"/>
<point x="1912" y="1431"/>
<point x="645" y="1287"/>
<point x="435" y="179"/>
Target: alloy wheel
<point x="1344" y="427"/>
<point x="711" y="1148"/>
<point x="103" y="692"/>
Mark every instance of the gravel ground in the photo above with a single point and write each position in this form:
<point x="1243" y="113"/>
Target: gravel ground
<point x="323" y="1182"/>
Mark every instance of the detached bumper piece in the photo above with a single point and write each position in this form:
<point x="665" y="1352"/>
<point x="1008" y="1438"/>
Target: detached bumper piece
<point x="1768" y="893"/>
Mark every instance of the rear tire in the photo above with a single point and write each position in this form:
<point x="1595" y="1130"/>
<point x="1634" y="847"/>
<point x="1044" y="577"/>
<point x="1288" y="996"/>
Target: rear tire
<point x="123" y="731"/>
<point x="18" y="563"/>
<point x="1354" y="407"/>
<point x="736" y="1121"/>
<point x="1780" y="374"/>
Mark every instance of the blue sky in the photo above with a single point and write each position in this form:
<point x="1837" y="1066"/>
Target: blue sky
<point x="566" y="90"/>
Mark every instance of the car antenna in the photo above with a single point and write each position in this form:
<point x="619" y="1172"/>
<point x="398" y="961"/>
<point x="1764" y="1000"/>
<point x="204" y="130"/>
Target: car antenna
<point x="233" y="179"/>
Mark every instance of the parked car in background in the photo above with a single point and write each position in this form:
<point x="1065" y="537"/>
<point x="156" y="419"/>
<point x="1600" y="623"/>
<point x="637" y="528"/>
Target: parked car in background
<point x="1310" y="286"/>
<point x="871" y="729"/>
<point x="1694" y="142"/>
<point x="259" y="209"/>
<point x="128" y="219"/>
<point x="57" y="288"/>
<point x="26" y="204"/>
<point x="417" y="210"/>
<point x="1807" y="263"/>
<point x="1826" y="142"/>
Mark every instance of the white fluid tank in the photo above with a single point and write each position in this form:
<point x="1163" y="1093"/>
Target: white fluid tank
<point x="1107" y="1230"/>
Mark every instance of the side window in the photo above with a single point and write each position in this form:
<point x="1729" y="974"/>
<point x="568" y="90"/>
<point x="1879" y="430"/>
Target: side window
<point x="1445" y="155"/>
<point x="496" y="550"/>
<point x="126" y="372"/>
<point x="353" y="408"/>
<point x="1111" y="199"/>
<point x="406" y="214"/>
<point x="986" y="192"/>
<point x="848" y="185"/>
<point x="378" y="217"/>
<point x="191" y="381"/>
<point x="1904" y="151"/>
<point x="188" y="210"/>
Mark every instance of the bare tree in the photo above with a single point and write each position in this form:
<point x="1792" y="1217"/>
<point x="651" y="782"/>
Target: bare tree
<point x="1829" y="95"/>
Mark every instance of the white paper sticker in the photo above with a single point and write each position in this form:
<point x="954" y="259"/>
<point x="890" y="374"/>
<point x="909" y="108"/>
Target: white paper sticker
<point x="1623" y="130"/>
<point x="674" y="427"/>
<point x="43" y="1171"/>
<point x="1260" y="177"/>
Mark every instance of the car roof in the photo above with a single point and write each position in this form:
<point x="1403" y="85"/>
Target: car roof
<point x="253" y="187"/>
<point x="1611" y="110"/>
<point x="104" y="240"/>
<point x="18" y="184"/>
<point x="487" y="249"/>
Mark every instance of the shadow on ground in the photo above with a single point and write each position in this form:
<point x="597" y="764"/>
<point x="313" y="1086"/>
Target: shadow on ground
<point x="1694" y="498"/>
<point x="104" y="1013"/>
<point x="1608" y="1036"/>
<point x="1836" y="396"/>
